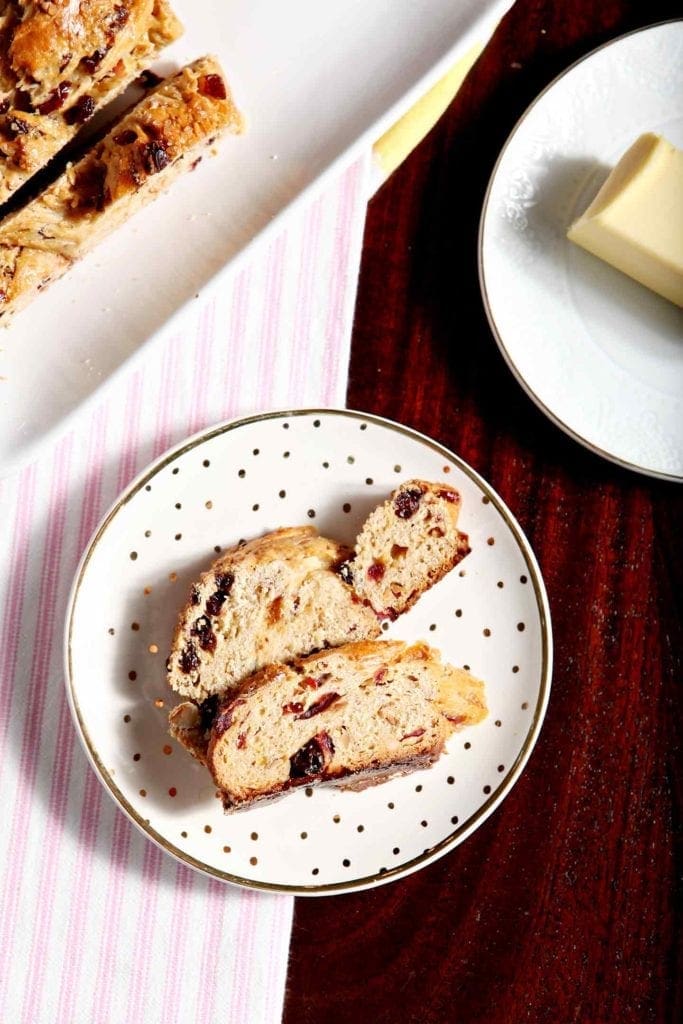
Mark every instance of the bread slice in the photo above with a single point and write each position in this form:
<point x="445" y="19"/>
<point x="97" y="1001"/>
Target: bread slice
<point x="138" y="159"/>
<point x="55" y="74"/>
<point x="407" y="545"/>
<point x="358" y="715"/>
<point x="272" y="599"/>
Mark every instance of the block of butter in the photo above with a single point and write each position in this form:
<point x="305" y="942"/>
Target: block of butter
<point x="635" y="222"/>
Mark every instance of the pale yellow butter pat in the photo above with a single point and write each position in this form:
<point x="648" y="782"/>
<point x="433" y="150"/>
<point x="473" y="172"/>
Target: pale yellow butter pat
<point x="635" y="222"/>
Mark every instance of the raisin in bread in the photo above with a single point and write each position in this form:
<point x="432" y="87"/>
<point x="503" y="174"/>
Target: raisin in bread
<point x="139" y="158"/>
<point x="272" y="599"/>
<point x="60" y="63"/>
<point x="356" y="715"/>
<point x="406" y="545"/>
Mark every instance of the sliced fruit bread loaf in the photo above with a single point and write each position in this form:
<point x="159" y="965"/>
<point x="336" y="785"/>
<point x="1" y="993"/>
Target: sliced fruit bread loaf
<point x="138" y="159"/>
<point x="60" y="62"/>
<point x="291" y="592"/>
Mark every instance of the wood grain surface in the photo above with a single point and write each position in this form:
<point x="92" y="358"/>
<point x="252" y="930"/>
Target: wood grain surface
<point x="566" y="904"/>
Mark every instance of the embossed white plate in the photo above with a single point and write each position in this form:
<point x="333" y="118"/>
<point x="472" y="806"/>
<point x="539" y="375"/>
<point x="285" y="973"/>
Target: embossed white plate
<point x="600" y="354"/>
<point x="237" y="481"/>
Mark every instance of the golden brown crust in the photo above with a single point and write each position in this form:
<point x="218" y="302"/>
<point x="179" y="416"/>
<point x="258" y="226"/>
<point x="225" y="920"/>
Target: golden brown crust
<point x="60" y="43"/>
<point x="35" y="125"/>
<point x="137" y="160"/>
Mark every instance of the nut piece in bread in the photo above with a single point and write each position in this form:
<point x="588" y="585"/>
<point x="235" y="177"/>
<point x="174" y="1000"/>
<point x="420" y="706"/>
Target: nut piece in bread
<point x="60" y="63"/>
<point x="138" y="159"/>
<point x="355" y="715"/>
<point x="273" y="599"/>
<point x="406" y="545"/>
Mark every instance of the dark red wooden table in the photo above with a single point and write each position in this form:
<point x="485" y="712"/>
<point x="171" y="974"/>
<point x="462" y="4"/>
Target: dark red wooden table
<point x="566" y="904"/>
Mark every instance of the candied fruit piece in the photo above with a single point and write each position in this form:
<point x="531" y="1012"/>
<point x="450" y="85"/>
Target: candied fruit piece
<point x="82" y="110"/>
<point x="213" y="86"/>
<point x="207" y="711"/>
<point x="415" y="733"/>
<point x="343" y="569"/>
<point x="224" y="582"/>
<point x="93" y="61"/>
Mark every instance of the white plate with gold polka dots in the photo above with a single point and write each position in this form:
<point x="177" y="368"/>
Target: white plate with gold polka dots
<point x="241" y="479"/>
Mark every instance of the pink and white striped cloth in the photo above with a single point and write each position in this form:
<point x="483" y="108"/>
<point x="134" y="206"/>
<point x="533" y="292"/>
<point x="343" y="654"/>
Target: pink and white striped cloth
<point x="96" y="923"/>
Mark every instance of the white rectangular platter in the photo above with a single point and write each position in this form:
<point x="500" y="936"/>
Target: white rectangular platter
<point x="317" y="82"/>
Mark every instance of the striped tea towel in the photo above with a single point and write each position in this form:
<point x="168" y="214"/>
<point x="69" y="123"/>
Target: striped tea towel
<point x="97" y="925"/>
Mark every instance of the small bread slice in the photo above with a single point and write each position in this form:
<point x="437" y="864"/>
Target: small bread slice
<point x="272" y="599"/>
<point x="138" y="159"/>
<point x="51" y="85"/>
<point x="406" y="545"/>
<point x="356" y="715"/>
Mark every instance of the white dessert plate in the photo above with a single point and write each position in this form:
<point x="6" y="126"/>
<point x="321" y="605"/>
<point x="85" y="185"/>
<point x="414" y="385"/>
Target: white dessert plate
<point x="600" y="354"/>
<point x="239" y="480"/>
<point x="318" y="83"/>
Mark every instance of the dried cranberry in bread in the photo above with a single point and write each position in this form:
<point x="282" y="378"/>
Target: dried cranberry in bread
<point x="136" y="161"/>
<point x="60" y="63"/>
<point x="356" y="715"/>
<point x="272" y="599"/>
<point x="406" y="545"/>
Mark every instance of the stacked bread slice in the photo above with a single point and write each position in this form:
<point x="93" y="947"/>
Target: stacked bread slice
<point x="277" y="649"/>
<point x="59" y="63"/>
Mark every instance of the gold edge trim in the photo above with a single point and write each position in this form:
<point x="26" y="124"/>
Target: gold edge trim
<point x="463" y="830"/>
<point x="536" y="399"/>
